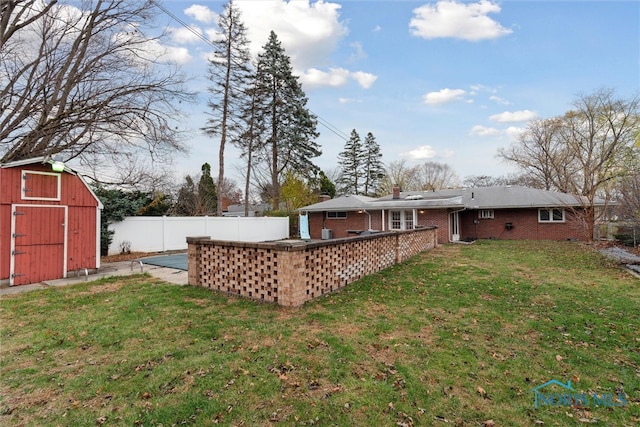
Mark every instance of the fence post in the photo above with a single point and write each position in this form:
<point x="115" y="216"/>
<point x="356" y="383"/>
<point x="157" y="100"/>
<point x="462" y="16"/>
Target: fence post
<point x="164" y="233"/>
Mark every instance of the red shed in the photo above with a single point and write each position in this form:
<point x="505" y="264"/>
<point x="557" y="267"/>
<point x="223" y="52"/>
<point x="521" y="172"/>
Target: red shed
<point x="49" y="222"/>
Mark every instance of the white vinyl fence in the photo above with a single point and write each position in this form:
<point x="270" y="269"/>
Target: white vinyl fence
<point x="167" y="233"/>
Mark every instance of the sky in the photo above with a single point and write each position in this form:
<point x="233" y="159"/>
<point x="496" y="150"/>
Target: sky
<point x="445" y="81"/>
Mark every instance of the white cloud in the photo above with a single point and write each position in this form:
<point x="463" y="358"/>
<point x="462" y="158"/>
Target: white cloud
<point x="365" y="80"/>
<point x="421" y="153"/>
<point x="309" y="32"/>
<point x="467" y="21"/>
<point x="358" y="51"/>
<point x="499" y="100"/>
<point x="335" y="77"/>
<point x="480" y="130"/>
<point x="213" y="34"/>
<point x="185" y="35"/>
<point x="513" y="132"/>
<point x="447" y="154"/>
<point x="348" y="100"/>
<point x="443" y="96"/>
<point x="201" y="14"/>
<point x="514" y="116"/>
<point x="152" y="50"/>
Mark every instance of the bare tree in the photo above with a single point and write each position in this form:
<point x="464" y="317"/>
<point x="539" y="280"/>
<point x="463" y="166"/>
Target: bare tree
<point x="437" y="176"/>
<point x="398" y="173"/>
<point x="585" y="152"/>
<point x="82" y="80"/>
<point x="229" y="73"/>
<point x="629" y="206"/>
<point x="543" y="155"/>
<point x="474" y="181"/>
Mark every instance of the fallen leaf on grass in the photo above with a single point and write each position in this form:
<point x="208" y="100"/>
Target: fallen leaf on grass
<point x="482" y="392"/>
<point x="559" y="358"/>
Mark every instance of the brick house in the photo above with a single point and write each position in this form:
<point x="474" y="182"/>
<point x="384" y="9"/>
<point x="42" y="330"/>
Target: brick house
<point x="507" y="212"/>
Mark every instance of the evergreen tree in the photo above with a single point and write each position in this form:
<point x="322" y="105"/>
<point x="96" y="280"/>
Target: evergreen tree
<point x="351" y="162"/>
<point x="326" y="186"/>
<point x="229" y="72"/>
<point x="252" y="138"/>
<point x="373" y="167"/>
<point x="291" y="127"/>
<point x="200" y="199"/>
<point x="207" y="197"/>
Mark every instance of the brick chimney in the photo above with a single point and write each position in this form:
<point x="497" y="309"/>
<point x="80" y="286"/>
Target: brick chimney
<point x="323" y="198"/>
<point x="396" y="192"/>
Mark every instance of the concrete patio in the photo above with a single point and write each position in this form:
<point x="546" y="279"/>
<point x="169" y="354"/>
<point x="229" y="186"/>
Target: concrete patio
<point x="176" y="275"/>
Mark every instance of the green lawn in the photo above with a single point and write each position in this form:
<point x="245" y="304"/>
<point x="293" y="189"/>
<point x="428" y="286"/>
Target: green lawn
<point x="460" y="335"/>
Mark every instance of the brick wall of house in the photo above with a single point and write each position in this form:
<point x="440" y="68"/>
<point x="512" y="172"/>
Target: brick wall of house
<point x="436" y="218"/>
<point x="360" y="221"/>
<point x="341" y="226"/>
<point x="525" y="226"/>
<point x="292" y="272"/>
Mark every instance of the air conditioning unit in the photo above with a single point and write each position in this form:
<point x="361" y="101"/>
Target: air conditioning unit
<point x="327" y="234"/>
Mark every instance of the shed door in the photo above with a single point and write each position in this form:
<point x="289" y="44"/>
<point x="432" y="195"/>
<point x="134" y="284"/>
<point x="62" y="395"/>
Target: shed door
<point x="38" y="244"/>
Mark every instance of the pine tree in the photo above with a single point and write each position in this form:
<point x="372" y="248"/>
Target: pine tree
<point x="373" y="167"/>
<point x="229" y="72"/>
<point x="326" y="186"/>
<point x="252" y="138"/>
<point x="291" y="127"/>
<point x="207" y="197"/>
<point x="351" y="163"/>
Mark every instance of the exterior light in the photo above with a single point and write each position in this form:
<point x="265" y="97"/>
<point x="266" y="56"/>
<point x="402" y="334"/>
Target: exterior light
<point x="57" y="166"/>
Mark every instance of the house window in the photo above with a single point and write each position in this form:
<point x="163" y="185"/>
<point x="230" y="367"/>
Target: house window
<point x="551" y="215"/>
<point x="396" y="220"/>
<point x="485" y="214"/>
<point x="401" y="220"/>
<point x="337" y="215"/>
<point x="40" y="185"/>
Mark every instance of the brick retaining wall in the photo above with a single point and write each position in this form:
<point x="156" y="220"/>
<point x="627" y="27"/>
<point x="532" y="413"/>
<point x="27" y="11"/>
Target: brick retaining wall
<point x="291" y="272"/>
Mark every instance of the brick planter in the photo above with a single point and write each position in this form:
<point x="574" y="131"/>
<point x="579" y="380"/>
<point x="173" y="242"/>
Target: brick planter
<point x="291" y="272"/>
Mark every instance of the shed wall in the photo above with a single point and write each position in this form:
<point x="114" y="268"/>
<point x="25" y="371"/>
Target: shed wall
<point x="81" y="225"/>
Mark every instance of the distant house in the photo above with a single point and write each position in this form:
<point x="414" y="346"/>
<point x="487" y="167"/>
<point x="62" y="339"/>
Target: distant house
<point x="49" y="222"/>
<point x="508" y="212"/>
<point x="254" y="209"/>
